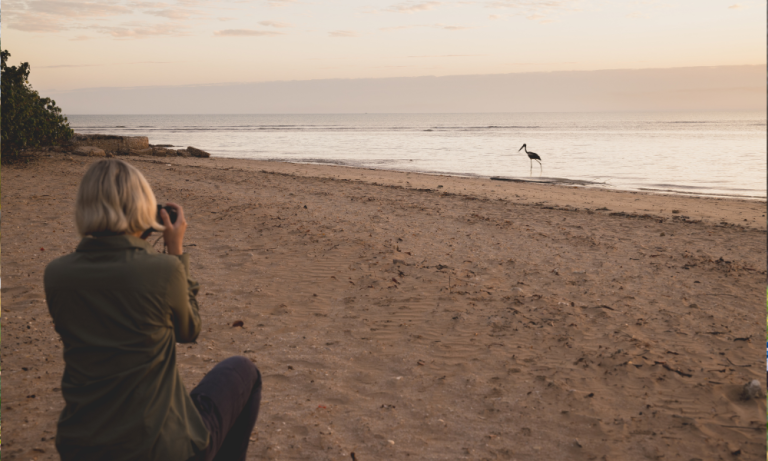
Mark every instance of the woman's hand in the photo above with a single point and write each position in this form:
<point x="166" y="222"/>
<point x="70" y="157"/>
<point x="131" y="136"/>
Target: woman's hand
<point x="174" y="233"/>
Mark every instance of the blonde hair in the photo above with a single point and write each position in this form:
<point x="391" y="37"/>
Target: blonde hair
<point x="115" y="197"/>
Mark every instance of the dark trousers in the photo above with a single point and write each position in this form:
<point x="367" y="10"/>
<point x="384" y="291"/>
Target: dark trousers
<point x="228" y="400"/>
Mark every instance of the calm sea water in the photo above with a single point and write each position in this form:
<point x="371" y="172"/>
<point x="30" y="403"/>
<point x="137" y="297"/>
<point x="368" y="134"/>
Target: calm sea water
<point x="691" y="153"/>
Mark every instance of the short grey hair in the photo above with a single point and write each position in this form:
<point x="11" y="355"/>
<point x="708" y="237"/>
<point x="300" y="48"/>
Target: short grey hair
<point x="115" y="197"/>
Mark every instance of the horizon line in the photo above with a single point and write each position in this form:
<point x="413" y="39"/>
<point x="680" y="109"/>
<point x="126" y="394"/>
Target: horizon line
<point x="449" y="113"/>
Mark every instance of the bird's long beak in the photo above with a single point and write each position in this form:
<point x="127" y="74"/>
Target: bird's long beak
<point x="521" y="148"/>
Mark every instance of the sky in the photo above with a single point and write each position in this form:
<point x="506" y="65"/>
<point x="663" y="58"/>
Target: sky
<point x="73" y="45"/>
<point x="686" y="89"/>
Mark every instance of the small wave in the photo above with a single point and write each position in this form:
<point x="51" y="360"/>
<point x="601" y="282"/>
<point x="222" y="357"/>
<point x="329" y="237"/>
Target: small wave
<point x="489" y="127"/>
<point x="705" y="194"/>
<point x="546" y="180"/>
<point x="503" y="127"/>
<point x="681" y="186"/>
<point x="318" y="161"/>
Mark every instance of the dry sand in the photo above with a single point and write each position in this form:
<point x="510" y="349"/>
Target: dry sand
<point x="407" y="316"/>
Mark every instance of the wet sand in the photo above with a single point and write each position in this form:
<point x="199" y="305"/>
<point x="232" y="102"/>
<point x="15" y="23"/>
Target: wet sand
<point x="408" y="316"/>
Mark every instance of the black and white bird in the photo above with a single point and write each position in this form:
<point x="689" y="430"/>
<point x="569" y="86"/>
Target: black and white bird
<point x="533" y="156"/>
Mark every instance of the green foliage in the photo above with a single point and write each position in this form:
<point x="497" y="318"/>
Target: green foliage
<point x="28" y="120"/>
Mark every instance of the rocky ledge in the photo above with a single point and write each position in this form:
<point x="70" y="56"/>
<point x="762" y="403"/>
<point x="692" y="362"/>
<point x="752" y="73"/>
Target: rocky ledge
<point x="101" y="145"/>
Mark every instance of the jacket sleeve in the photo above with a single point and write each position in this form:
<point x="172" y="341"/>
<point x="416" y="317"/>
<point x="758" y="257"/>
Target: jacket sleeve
<point x="181" y="298"/>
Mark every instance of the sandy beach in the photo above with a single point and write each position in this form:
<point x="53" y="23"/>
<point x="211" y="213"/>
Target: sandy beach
<point x="407" y="316"/>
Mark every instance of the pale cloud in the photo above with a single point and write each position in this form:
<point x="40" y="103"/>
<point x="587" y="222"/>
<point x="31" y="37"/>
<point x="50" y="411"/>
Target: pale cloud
<point x="226" y="19"/>
<point x="410" y="26"/>
<point x="540" y="11"/>
<point x="534" y="6"/>
<point x="149" y="4"/>
<point x="280" y="2"/>
<point x="173" y="13"/>
<point x="62" y="66"/>
<point x="539" y="63"/>
<point x="735" y="6"/>
<point x="274" y="24"/>
<point x="142" y="31"/>
<point x="528" y="3"/>
<point x="434" y="26"/>
<point x="103" y="16"/>
<point x="411" y="7"/>
<point x="80" y="38"/>
<point x="53" y="16"/>
<point x="447" y="56"/>
<point x="31" y="22"/>
<point x="245" y="33"/>
<point x="342" y="33"/>
<point x="494" y="17"/>
<point x="77" y="9"/>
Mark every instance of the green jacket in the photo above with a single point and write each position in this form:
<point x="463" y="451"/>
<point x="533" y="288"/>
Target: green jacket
<point x="120" y="307"/>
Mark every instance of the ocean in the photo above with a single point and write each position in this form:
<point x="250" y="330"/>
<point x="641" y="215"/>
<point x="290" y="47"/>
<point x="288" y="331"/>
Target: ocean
<point x="715" y="154"/>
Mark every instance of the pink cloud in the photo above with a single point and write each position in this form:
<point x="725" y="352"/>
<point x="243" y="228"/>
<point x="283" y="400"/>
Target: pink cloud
<point x="245" y="33"/>
<point x="410" y="7"/>
<point x="342" y="33"/>
<point x="274" y="24"/>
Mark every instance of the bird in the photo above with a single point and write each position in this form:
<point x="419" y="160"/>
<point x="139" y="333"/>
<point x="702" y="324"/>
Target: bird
<point x="533" y="156"/>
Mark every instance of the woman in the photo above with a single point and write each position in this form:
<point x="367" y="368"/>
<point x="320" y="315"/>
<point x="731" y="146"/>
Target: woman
<point x="120" y="307"/>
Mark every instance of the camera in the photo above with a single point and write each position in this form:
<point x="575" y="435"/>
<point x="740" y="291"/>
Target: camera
<point x="171" y="214"/>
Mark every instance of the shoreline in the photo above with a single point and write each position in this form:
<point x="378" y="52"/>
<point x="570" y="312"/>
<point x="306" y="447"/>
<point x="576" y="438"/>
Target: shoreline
<point x="737" y="211"/>
<point x="548" y="180"/>
<point x="401" y="315"/>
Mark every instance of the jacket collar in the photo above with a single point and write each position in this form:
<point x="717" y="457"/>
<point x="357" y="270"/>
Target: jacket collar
<point x="114" y="242"/>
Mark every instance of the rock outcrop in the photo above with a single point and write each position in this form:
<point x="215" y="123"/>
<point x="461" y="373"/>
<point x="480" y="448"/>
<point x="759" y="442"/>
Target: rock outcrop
<point x="103" y="145"/>
<point x="89" y="151"/>
<point x="197" y="152"/>
<point x="111" y="144"/>
<point x="140" y="152"/>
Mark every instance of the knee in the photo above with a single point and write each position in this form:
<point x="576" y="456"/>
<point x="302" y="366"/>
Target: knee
<point x="247" y="367"/>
